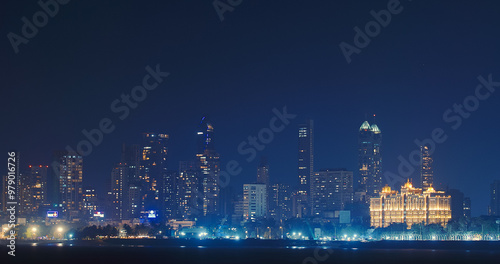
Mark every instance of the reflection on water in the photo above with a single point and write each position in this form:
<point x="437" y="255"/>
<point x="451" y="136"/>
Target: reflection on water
<point x="197" y="251"/>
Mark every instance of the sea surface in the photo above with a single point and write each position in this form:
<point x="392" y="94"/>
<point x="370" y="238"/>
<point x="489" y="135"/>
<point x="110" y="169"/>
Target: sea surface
<point x="250" y="251"/>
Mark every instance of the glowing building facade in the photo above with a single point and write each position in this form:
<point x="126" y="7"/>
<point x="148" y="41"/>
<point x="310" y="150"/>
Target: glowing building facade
<point x="70" y="182"/>
<point x="411" y="206"/>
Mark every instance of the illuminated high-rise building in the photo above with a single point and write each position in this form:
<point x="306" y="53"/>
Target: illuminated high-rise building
<point x="24" y="186"/>
<point x="189" y="191"/>
<point x="153" y="172"/>
<point x="90" y="201"/>
<point x="38" y="178"/>
<point x="254" y="201"/>
<point x="70" y="182"/>
<point x="120" y="191"/>
<point x="331" y="190"/>
<point x="209" y="165"/>
<point x="411" y="206"/>
<point x="370" y="159"/>
<point x="426" y="173"/>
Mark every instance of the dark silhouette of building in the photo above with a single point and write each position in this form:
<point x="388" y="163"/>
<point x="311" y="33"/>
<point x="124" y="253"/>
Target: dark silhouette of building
<point x="209" y="166"/>
<point x="280" y="202"/>
<point x="457" y="204"/>
<point x="370" y="159"/>
<point x="467" y="208"/>
<point x="302" y="203"/>
<point x="263" y="172"/>
<point x="120" y="191"/>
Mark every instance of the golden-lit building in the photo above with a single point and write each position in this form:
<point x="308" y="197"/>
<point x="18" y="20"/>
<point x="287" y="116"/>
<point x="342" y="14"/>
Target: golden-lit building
<point x="411" y="206"/>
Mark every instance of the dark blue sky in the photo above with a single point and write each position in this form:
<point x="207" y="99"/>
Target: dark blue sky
<point x="265" y="54"/>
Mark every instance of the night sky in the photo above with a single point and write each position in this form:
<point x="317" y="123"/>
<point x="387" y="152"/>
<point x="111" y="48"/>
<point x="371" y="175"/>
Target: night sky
<point x="263" y="55"/>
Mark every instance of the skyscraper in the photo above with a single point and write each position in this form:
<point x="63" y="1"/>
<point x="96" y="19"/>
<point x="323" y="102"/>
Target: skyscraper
<point x="70" y="182"/>
<point x="254" y="201"/>
<point x="301" y="200"/>
<point x="153" y="172"/>
<point x="263" y="177"/>
<point x="209" y="164"/>
<point x="90" y="201"/>
<point x="457" y="204"/>
<point x="331" y="190"/>
<point x="120" y="190"/>
<point x="189" y="196"/>
<point x="305" y="156"/>
<point x="135" y="199"/>
<point x="263" y="172"/>
<point x="24" y="193"/>
<point x="426" y="173"/>
<point x="132" y="156"/>
<point x="467" y="209"/>
<point x="494" y="208"/>
<point x="370" y="159"/>
<point x="38" y="175"/>
<point x="280" y="201"/>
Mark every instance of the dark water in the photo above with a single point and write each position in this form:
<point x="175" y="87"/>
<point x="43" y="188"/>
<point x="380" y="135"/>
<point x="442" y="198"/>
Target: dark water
<point x="206" y="252"/>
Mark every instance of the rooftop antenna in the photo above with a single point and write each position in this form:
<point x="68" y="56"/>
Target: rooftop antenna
<point x="374" y="119"/>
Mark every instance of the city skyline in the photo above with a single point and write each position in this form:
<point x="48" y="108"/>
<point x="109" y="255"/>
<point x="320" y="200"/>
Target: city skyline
<point x="204" y="142"/>
<point x="414" y="79"/>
